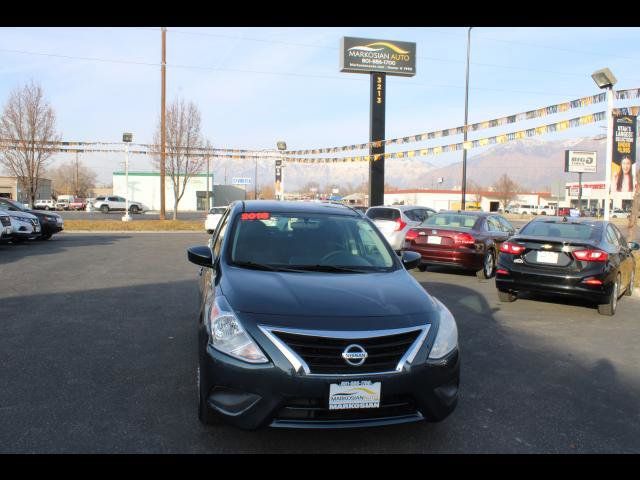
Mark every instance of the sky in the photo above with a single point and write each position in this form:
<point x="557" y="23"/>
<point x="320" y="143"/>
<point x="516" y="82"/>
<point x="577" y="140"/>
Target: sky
<point x="255" y="86"/>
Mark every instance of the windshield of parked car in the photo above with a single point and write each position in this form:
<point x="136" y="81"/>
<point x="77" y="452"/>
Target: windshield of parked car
<point x="570" y="231"/>
<point x="8" y="204"/>
<point x="451" y="220"/>
<point x="314" y="241"/>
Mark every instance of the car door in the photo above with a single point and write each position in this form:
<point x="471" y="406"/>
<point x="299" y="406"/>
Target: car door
<point x="626" y="260"/>
<point x="496" y="232"/>
<point x="616" y="253"/>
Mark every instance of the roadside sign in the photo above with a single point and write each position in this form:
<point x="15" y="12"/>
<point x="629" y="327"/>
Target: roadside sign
<point x="366" y="55"/>
<point x="241" y="181"/>
<point x="577" y="161"/>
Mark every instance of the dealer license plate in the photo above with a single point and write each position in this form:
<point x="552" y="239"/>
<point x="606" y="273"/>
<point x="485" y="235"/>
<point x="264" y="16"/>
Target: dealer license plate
<point x="354" y="394"/>
<point x="37" y="229"/>
<point x="547" y="257"/>
<point x="434" y="239"/>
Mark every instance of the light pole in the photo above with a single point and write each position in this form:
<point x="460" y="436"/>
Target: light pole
<point x="466" y="112"/>
<point x="282" y="146"/>
<point x="606" y="80"/>
<point x="126" y="138"/>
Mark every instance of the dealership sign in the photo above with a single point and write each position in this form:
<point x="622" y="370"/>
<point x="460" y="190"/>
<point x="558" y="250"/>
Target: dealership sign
<point x="365" y="55"/>
<point x="576" y="161"/>
<point x="241" y="181"/>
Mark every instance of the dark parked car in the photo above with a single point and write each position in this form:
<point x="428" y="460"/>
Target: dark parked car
<point x="50" y="222"/>
<point x="464" y="239"/>
<point x="586" y="259"/>
<point x="308" y="319"/>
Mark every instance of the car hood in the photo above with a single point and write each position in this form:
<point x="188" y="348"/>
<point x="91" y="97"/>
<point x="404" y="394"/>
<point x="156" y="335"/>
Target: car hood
<point x="319" y="294"/>
<point x="15" y="214"/>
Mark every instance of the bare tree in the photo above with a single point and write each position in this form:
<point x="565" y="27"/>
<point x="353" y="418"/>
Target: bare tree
<point x="27" y="129"/>
<point x="474" y="190"/>
<point x="506" y="190"/>
<point x="73" y="178"/>
<point x="184" y="139"/>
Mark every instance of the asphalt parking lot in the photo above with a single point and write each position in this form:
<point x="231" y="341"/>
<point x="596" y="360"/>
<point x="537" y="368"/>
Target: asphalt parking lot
<point x="98" y="353"/>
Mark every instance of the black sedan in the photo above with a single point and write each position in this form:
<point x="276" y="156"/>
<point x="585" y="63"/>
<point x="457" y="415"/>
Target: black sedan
<point x="308" y="319"/>
<point x="585" y="259"/>
<point x="50" y="222"/>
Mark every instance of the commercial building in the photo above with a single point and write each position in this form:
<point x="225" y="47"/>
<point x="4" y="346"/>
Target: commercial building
<point x="144" y="187"/>
<point x="593" y="195"/>
<point x="451" y="199"/>
<point x="10" y="188"/>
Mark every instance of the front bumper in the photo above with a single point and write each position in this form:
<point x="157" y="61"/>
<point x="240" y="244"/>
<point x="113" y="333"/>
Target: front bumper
<point x="253" y="396"/>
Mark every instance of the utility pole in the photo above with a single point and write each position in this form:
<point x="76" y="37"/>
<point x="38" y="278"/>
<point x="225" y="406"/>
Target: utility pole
<point x="466" y="111"/>
<point x="77" y="168"/>
<point x="163" y="139"/>
<point x="255" y="181"/>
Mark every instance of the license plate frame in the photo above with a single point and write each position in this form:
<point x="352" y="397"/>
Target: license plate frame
<point x="550" y="258"/>
<point x="354" y="395"/>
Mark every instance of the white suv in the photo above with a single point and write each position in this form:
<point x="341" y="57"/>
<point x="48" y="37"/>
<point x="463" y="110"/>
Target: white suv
<point x="213" y="218"/>
<point x="42" y="204"/>
<point x="115" y="203"/>
<point x="394" y="221"/>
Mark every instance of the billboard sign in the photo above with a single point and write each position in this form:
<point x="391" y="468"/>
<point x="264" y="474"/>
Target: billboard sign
<point x="366" y="55"/>
<point x="577" y="161"/>
<point x="624" y="153"/>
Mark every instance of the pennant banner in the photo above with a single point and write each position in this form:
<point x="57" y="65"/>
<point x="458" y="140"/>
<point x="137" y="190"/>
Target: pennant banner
<point x="509" y="119"/>
<point x="507" y="137"/>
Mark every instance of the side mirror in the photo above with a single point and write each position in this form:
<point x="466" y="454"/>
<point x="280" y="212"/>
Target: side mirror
<point x="634" y="245"/>
<point x="411" y="260"/>
<point x="200" y="255"/>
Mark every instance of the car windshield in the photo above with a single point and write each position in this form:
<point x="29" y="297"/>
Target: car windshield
<point x="7" y="204"/>
<point x="570" y="231"/>
<point x="451" y="220"/>
<point x="314" y="241"/>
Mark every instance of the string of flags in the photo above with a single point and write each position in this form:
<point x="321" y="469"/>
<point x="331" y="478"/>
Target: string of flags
<point x="496" y="122"/>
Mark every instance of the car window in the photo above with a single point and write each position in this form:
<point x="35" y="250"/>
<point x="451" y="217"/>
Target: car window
<point x="383" y="214"/>
<point x="412" y="215"/>
<point x="506" y="226"/>
<point x="451" y="220"/>
<point x="220" y="231"/>
<point x="493" y="225"/>
<point x="309" y="240"/>
<point x="570" y="231"/>
<point x="112" y="199"/>
<point x="621" y="238"/>
<point x="612" y="238"/>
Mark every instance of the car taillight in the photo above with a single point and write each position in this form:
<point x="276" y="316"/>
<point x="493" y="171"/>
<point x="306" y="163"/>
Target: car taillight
<point x="399" y="225"/>
<point x="502" y="271"/>
<point x="411" y="235"/>
<point x="591" y="255"/>
<point x="512" y="248"/>
<point x="592" y="281"/>
<point x="464" y="239"/>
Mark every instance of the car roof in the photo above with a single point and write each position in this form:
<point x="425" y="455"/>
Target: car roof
<point x="560" y="219"/>
<point x="476" y="213"/>
<point x="274" y="206"/>
<point x="402" y="208"/>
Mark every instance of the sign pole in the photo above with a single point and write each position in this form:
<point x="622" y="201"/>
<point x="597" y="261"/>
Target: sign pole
<point x="579" y="191"/>
<point x="609" y="157"/>
<point x="376" y="134"/>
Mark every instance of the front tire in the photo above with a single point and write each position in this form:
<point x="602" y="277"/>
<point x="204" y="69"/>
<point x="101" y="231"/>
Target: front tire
<point x="104" y="208"/>
<point x="134" y="209"/>
<point x="609" y="308"/>
<point x="46" y="236"/>
<point x="488" y="266"/>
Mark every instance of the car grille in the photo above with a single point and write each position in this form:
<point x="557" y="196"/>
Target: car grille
<point x="35" y="222"/>
<point x="323" y="355"/>
<point x="302" y="409"/>
<point x="6" y="221"/>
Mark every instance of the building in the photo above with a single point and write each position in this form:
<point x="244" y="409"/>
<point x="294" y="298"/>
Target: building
<point x="10" y="188"/>
<point x="451" y="199"/>
<point x="593" y="194"/>
<point x="144" y="187"/>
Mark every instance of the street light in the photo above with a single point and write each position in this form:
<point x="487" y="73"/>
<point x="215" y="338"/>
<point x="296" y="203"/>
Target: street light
<point x="126" y="138"/>
<point x="466" y="111"/>
<point x="605" y="80"/>
<point x="282" y="146"/>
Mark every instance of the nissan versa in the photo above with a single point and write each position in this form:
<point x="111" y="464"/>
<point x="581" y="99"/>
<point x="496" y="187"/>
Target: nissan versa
<point x="308" y="319"/>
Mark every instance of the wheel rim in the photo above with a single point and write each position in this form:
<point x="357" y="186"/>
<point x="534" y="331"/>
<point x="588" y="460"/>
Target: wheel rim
<point x="488" y="264"/>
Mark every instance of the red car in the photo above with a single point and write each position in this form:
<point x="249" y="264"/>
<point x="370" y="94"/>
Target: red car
<point x="78" y="204"/>
<point x="469" y="240"/>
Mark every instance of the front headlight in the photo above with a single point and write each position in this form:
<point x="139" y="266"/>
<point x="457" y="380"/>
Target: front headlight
<point x="447" y="336"/>
<point x="228" y="336"/>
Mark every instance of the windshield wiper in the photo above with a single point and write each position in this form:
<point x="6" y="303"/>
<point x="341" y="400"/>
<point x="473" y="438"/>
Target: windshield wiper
<point x="265" y="266"/>
<point x="328" y="268"/>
